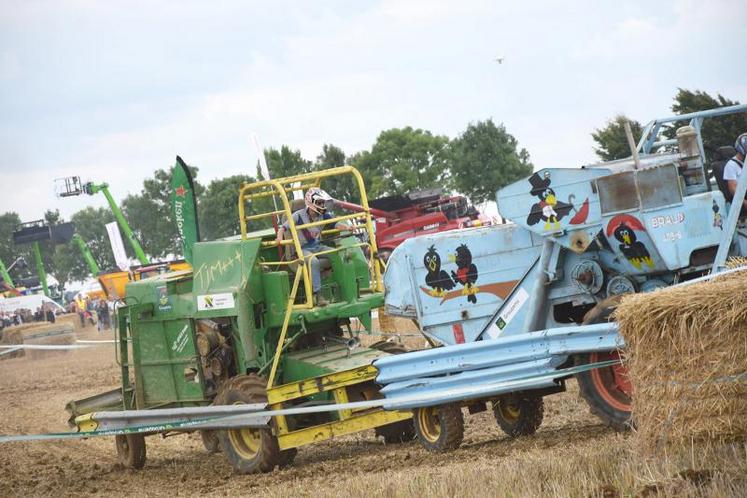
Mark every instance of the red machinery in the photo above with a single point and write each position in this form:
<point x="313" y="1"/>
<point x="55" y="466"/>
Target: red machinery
<point x="401" y="217"/>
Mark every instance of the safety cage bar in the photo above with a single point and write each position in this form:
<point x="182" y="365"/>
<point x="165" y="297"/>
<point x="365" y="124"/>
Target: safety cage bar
<point x="279" y="189"/>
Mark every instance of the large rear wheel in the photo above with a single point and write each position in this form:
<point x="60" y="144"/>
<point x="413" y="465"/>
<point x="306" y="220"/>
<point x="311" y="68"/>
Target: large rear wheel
<point x="608" y="391"/>
<point x="249" y="451"/>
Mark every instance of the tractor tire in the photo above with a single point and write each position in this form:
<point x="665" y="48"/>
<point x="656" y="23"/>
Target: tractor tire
<point x="249" y="451"/>
<point x="404" y="430"/>
<point x="607" y="391"/>
<point x="287" y="457"/>
<point x="210" y="441"/>
<point x="131" y="450"/>
<point x="519" y="415"/>
<point x="389" y="347"/>
<point x="439" y="428"/>
<point x="398" y="432"/>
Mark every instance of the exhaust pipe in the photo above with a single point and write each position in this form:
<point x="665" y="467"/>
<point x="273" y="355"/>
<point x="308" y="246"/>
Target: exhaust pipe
<point x="351" y="343"/>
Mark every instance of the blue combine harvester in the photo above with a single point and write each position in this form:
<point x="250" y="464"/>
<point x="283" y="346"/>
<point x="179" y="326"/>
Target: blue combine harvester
<point x="524" y="306"/>
<point x="514" y="311"/>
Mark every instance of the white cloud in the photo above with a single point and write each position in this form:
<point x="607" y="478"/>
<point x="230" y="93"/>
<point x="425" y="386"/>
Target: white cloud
<point x="113" y="93"/>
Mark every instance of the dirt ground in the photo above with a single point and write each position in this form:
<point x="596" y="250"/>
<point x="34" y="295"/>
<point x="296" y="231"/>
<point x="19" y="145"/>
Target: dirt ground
<point x="571" y="455"/>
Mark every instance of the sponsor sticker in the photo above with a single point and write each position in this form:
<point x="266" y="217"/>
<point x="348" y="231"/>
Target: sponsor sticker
<point x="508" y="313"/>
<point x="222" y="301"/>
<point x="181" y="340"/>
<point x="163" y="298"/>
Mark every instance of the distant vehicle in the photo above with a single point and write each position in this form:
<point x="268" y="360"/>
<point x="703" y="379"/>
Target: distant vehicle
<point x="401" y="217"/>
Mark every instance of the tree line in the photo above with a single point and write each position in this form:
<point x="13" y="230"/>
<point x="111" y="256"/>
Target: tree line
<point x="479" y="161"/>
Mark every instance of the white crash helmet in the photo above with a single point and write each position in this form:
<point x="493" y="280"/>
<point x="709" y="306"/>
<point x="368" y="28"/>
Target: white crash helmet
<point x="317" y="199"/>
<point x="741" y="144"/>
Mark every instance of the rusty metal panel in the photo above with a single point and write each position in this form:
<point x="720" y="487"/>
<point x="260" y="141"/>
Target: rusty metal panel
<point x="618" y="192"/>
<point x="659" y="187"/>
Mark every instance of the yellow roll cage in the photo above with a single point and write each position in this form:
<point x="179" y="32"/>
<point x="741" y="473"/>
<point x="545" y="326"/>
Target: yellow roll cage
<point x="278" y="189"/>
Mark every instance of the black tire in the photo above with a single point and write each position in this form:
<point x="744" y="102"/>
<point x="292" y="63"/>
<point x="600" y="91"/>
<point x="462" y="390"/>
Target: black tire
<point x="131" y="450"/>
<point x="607" y="390"/>
<point x="389" y="347"/>
<point x="398" y="432"/>
<point x="439" y="428"/>
<point x="249" y="451"/>
<point x="404" y="430"/>
<point x="519" y="415"/>
<point x="210" y="441"/>
<point x="287" y="457"/>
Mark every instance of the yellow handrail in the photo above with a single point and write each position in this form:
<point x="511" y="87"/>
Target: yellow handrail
<point x="279" y="188"/>
<point x="284" y="329"/>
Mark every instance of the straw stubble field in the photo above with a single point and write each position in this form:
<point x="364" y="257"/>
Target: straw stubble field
<point x="571" y="454"/>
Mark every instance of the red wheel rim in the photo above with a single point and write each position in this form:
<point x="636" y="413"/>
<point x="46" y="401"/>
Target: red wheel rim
<point x="612" y="383"/>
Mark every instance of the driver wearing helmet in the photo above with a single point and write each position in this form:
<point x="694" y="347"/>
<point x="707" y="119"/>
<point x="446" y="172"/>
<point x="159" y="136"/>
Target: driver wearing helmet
<point x="733" y="168"/>
<point x="316" y="202"/>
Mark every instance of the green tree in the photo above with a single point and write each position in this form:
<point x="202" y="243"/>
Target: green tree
<point x="405" y="159"/>
<point x="285" y="162"/>
<point x="52" y="217"/>
<point x="486" y="158"/>
<point x="716" y="132"/>
<point x="611" y="141"/>
<point x="218" y="211"/>
<point x="8" y="223"/>
<point x="149" y="215"/>
<point x="340" y="187"/>
<point x="90" y="224"/>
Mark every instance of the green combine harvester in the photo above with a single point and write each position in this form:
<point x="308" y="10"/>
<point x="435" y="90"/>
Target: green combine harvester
<point x="241" y="328"/>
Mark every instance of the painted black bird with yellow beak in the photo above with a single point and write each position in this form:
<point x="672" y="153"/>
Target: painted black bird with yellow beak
<point x="436" y="278"/>
<point x="633" y="250"/>
<point x="466" y="273"/>
<point x="549" y="209"/>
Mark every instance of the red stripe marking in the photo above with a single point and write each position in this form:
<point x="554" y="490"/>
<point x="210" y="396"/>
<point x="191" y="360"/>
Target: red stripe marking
<point x="458" y="333"/>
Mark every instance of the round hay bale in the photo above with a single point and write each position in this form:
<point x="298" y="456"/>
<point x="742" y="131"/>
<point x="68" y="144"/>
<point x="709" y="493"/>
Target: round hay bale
<point x="686" y="350"/>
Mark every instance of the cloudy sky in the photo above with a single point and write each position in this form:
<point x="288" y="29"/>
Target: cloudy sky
<point x="111" y="91"/>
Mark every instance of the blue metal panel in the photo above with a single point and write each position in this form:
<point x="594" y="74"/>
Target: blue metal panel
<point x="487" y="368"/>
<point x="556" y="202"/>
<point x="457" y="311"/>
<point x="502" y="351"/>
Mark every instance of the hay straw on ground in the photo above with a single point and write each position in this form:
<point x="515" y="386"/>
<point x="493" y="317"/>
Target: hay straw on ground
<point x="12" y="336"/>
<point x="687" y="357"/>
<point x="63" y="334"/>
<point x="71" y="318"/>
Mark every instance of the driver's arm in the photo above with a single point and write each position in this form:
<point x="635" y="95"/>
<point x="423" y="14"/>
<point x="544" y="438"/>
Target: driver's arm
<point x="281" y="234"/>
<point x="343" y="227"/>
<point x="732" y="186"/>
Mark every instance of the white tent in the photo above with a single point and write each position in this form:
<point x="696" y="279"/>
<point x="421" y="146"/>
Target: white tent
<point x="30" y="302"/>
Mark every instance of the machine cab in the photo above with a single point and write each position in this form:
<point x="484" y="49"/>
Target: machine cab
<point x="264" y="206"/>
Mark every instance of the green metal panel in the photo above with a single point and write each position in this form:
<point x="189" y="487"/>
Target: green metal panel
<point x="169" y="294"/>
<point x="166" y="362"/>
<point x="320" y="361"/>
<point x="222" y="268"/>
<point x="277" y="292"/>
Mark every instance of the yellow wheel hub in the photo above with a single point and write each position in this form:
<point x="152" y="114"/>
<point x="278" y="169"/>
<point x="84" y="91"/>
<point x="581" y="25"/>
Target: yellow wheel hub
<point x="429" y="423"/>
<point x="246" y="442"/>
